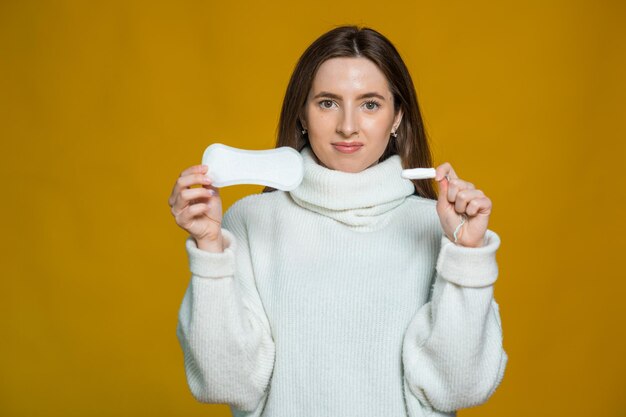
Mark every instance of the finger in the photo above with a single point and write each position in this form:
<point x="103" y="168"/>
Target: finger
<point x="194" y="169"/>
<point x="455" y="186"/>
<point x="442" y="199"/>
<point x="441" y="176"/>
<point x="215" y="191"/>
<point x="445" y="170"/>
<point x="186" y="181"/>
<point x="464" y="197"/>
<point x="191" y="213"/>
<point x="196" y="210"/>
<point x="480" y="205"/>
<point x="188" y="196"/>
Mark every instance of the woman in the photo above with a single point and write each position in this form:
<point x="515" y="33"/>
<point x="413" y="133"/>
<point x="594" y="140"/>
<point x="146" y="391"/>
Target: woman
<point x="359" y="293"/>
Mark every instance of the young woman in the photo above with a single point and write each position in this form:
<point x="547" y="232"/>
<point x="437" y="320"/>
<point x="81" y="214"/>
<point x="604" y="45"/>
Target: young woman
<point x="359" y="293"/>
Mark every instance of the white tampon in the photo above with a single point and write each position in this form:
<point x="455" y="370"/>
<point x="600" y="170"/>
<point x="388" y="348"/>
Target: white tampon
<point x="418" y="173"/>
<point x="280" y="168"/>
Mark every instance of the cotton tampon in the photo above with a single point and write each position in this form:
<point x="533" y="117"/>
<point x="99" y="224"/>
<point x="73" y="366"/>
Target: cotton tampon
<point x="280" y="168"/>
<point x="418" y="173"/>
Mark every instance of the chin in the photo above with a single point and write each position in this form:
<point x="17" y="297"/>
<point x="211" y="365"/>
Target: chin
<point x="353" y="167"/>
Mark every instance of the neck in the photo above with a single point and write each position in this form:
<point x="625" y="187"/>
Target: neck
<point x="357" y="199"/>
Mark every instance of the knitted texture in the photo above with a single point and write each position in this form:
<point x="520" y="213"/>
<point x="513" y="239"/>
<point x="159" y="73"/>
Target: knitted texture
<point x="342" y="298"/>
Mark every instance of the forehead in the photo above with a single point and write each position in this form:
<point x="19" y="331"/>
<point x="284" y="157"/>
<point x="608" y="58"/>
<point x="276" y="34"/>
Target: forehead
<point x="349" y="75"/>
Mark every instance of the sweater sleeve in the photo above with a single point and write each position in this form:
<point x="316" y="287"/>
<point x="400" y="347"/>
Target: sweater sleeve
<point x="222" y="327"/>
<point x="452" y="351"/>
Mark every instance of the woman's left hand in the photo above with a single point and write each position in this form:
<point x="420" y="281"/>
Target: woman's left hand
<point x="459" y="198"/>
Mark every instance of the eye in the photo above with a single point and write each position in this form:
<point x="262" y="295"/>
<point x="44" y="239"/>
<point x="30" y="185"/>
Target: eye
<point x="323" y="103"/>
<point x="372" y="105"/>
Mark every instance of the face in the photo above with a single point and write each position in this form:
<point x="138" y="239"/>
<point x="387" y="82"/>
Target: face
<point x="349" y="114"/>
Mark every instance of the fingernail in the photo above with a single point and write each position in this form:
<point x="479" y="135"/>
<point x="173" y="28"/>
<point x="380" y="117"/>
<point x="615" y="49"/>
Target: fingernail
<point x="211" y="193"/>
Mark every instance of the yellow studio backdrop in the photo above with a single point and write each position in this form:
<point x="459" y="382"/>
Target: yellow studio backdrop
<point x="103" y="104"/>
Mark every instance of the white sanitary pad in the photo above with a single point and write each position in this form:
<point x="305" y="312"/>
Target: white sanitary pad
<point x="280" y="168"/>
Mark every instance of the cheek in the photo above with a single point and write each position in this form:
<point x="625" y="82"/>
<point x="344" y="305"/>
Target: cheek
<point x="320" y="121"/>
<point x="378" y="126"/>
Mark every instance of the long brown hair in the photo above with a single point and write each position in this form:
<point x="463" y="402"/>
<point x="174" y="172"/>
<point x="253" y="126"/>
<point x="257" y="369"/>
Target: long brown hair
<point x="411" y="144"/>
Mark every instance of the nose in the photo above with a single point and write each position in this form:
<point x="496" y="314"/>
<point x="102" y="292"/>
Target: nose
<point x="348" y="123"/>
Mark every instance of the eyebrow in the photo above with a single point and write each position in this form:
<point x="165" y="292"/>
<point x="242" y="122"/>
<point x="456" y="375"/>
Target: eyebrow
<point x="335" y="96"/>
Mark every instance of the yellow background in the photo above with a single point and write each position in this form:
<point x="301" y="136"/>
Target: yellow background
<point x="104" y="103"/>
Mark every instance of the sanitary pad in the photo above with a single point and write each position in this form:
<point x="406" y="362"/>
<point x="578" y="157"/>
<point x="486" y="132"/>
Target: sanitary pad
<point x="280" y="168"/>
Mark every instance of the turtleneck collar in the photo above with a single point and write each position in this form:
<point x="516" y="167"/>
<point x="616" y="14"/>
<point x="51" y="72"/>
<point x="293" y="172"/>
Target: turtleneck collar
<point x="359" y="199"/>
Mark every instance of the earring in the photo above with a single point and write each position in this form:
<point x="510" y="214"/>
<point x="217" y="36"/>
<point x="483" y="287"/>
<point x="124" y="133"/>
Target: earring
<point x="394" y="134"/>
<point x="304" y="131"/>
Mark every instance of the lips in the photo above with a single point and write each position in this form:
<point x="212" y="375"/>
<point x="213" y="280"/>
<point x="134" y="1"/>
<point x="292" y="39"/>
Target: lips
<point x="347" y="147"/>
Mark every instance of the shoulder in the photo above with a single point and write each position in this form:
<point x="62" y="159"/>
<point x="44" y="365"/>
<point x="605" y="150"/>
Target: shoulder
<point x="422" y="214"/>
<point x="253" y="206"/>
<point x="416" y="199"/>
<point x="254" y="202"/>
<point x="422" y="205"/>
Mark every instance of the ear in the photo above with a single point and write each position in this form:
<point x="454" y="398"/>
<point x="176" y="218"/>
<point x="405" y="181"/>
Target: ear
<point x="302" y="118"/>
<point x="397" y="119"/>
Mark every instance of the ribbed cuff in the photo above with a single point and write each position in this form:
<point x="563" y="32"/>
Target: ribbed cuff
<point x="469" y="267"/>
<point x="212" y="264"/>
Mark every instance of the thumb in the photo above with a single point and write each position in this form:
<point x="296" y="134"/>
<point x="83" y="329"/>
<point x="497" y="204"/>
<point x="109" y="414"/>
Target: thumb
<point x="443" y="191"/>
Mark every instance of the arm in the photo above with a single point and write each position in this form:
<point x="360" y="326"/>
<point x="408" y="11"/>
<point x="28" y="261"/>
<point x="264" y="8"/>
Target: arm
<point x="222" y="327"/>
<point x="452" y="351"/>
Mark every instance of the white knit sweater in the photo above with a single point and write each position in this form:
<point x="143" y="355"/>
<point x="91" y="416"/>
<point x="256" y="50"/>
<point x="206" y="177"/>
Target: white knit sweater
<point x="341" y="298"/>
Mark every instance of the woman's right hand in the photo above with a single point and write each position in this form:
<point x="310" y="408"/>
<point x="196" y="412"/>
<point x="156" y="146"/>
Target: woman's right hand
<point x="197" y="210"/>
